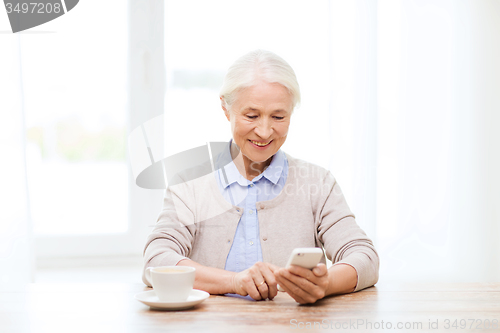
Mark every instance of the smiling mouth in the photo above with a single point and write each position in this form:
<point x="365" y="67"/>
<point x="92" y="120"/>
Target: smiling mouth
<point x="260" y="144"/>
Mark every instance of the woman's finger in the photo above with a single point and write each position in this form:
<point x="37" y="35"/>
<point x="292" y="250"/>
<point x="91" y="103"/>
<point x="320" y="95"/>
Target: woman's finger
<point x="289" y="287"/>
<point x="270" y="279"/>
<point x="263" y="288"/>
<point x="259" y="280"/>
<point x="313" y="276"/>
<point x="301" y="289"/>
<point x="320" y="270"/>
<point x="301" y="271"/>
<point x="272" y="267"/>
<point x="244" y="285"/>
<point x="302" y="282"/>
<point x="252" y="290"/>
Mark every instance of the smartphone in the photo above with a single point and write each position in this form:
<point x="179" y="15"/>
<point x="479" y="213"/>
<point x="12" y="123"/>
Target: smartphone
<point x="307" y="257"/>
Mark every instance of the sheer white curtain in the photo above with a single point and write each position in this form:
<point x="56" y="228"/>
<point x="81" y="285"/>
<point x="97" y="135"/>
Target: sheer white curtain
<point x="437" y="176"/>
<point x="16" y="257"/>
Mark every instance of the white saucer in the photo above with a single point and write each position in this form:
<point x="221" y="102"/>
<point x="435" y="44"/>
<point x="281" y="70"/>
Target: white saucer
<point x="150" y="298"/>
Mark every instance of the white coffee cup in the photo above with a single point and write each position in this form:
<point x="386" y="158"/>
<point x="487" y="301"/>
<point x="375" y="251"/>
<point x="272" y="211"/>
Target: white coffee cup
<point x="171" y="283"/>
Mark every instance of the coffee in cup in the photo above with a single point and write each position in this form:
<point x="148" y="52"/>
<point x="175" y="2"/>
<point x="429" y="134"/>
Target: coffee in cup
<point x="171" y="283"/>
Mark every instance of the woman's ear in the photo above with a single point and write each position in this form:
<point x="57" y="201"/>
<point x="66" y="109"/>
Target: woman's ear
<point x="224" y="107"/>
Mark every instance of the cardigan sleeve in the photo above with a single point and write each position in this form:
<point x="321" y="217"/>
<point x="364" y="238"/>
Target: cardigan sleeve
<point x="172" y="238"/>
<point x="344" y="241"/>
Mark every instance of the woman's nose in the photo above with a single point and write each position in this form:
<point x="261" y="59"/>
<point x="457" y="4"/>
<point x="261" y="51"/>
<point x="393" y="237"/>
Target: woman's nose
<point x="264" y="129"/>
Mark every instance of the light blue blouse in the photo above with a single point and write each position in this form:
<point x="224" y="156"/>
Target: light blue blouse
<point x="237" y="190"/>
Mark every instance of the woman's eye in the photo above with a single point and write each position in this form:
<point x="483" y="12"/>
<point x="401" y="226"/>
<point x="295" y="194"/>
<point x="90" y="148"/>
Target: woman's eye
<point x="278" y="118"/>
<point x="251" y="117"/>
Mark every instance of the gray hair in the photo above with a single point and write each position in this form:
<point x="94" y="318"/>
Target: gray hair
<point x="255" y="65"/>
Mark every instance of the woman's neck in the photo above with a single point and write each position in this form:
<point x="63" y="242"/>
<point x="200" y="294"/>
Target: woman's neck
<point x="246" y="167"/>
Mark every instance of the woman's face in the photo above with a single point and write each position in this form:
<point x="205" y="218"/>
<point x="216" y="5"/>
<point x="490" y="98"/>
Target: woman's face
<point x="260" y="117"/>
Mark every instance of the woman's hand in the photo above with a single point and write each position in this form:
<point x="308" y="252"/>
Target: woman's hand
<point x="304" y="285"/>
<point x="257" y="281"/>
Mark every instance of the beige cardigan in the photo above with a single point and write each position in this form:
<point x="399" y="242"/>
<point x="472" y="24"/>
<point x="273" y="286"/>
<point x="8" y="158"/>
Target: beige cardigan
<point x="196" y="222"/>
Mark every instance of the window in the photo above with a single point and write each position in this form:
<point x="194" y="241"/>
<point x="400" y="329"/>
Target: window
<point x="75" y="99"/>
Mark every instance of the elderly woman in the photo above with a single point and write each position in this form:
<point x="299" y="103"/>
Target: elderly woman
<point x="239" y="225"/>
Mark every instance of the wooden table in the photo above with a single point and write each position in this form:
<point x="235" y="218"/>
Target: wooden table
<point x="112" y="308"/>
